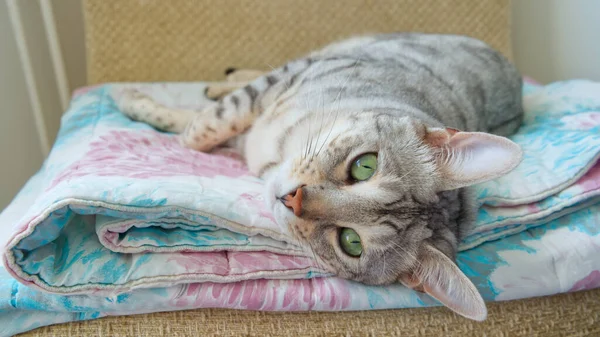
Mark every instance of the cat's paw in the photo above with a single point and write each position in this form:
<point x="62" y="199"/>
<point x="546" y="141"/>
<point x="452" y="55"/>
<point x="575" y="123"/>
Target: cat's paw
<point x="197" y="142"/>
<point x="202" y="133"/>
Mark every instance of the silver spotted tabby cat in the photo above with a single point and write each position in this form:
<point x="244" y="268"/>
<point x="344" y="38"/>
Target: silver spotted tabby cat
<point x="368" y="147"/>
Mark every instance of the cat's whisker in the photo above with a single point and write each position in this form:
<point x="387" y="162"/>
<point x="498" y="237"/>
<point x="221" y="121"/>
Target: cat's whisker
<point x="311" y="146"/>
<point x="338" y="100"/>
<point x="287" y="86"/>
<point x="322" y="103"/>
<point x="306" y="244"/>
<point x="315" y="259"/>
<point x="383" y="269"/>
<point x="311" y="116"/>
<point x="406" y="174"/>
<point x="381" y="250"/>
<point x="293" y="256"/>
<point x="412" y="256"/>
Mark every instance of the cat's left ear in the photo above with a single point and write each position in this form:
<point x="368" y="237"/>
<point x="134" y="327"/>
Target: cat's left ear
<point x="441" y="279"/>
<point x="467" y="158"/>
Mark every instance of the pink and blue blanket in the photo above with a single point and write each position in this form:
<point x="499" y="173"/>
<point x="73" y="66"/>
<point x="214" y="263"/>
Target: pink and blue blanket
<point x="121" y="220"/>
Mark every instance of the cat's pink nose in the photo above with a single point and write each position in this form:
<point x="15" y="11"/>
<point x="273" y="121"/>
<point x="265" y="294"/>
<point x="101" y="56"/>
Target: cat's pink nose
<point x="294" y="201"/>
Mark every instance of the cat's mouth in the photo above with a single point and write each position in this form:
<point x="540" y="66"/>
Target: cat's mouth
<point x="275" y="201"/>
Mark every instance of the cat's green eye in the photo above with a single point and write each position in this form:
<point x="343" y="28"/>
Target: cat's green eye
<point x="350" y="242"/>
<point x="364" y="167"/>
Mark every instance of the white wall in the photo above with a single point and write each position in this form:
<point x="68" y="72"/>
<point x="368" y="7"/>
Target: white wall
<point x="30" y="95"/>
<point x="69" y="25"/>
<point x="20" y="147"/>
<point x="557" y="39"/>
<point x="42" y="70"/>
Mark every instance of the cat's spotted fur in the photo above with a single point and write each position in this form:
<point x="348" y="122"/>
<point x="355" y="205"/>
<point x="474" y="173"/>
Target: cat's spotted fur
<point x="401" y="96"/>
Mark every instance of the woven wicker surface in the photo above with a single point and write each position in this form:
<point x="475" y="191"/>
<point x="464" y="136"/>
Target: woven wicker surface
<point x="576" y="314"/>
<point x="191" y="40"/>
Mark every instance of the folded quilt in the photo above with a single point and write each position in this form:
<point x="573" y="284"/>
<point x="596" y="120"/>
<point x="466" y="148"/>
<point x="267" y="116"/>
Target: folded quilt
<point x="121" y="219"/>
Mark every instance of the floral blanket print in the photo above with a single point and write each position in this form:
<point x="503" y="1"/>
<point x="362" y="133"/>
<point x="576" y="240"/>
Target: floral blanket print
<point x="121" y="219"/>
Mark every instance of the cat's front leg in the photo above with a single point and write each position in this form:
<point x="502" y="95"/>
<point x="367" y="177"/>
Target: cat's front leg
<point x="231" y="115"/>
<point x="199" y="130"/>
<point x="217" y="124"/>
<point x="235" y="112"/>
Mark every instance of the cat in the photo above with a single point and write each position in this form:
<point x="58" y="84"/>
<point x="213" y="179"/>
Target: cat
<point x="368" y="148"/>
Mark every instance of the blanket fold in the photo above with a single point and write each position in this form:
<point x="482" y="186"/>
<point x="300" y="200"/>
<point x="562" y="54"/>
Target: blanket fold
<point x="121" y="219"/>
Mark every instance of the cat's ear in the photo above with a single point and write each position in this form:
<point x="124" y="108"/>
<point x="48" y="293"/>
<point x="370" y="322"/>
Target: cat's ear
<point x="441" y="279"/>
<point x="467" y="158"/>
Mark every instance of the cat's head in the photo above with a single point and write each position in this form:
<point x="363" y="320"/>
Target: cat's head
<point x="380" y="202"/>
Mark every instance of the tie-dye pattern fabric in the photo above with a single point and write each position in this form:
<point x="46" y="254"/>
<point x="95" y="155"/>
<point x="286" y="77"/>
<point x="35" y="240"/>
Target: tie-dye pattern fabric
<point x="122" y="220"/>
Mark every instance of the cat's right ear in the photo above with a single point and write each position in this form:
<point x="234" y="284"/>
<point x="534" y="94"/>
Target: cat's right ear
<point x="468" y="158"/>
<point x="441" y="279"/>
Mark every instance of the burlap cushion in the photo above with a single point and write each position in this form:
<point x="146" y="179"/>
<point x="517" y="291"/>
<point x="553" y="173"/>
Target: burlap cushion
<point x="187" y="40"/>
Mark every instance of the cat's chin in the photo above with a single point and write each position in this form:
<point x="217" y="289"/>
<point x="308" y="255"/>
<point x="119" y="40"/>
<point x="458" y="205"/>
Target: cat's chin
<point x="283" y="216"/>
<point x="280" y="212"/>
<point x="270" y="195"/>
